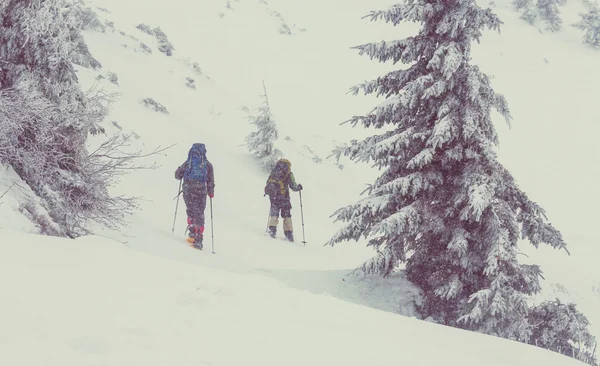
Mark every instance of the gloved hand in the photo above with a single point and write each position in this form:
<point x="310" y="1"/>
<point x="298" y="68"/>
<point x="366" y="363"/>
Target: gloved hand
<point x="211" y="195"/>
<point x="300" y="186"/>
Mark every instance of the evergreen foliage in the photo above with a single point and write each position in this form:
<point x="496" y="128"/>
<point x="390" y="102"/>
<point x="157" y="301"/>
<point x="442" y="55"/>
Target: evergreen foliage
<point x="261" y="143"/>
<point x="590" y="24"/>
<point x="563" y="329"/>
<point x="547" y="11"/>
<point x="443" y="205"/>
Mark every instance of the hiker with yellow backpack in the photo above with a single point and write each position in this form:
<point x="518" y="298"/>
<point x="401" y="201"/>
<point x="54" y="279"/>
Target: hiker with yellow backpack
<point x="278" y="186"/>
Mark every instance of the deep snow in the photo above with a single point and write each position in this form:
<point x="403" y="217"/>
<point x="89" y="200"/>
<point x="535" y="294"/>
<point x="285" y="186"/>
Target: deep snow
<point x="93" y="301"/>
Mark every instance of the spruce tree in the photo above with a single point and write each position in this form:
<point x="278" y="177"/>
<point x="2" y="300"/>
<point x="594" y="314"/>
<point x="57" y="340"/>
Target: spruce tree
<point x="590" y="24"/>
<point x="261" y="142"/>
<point x="443" y="205"/>
<point x="546" y="10"/>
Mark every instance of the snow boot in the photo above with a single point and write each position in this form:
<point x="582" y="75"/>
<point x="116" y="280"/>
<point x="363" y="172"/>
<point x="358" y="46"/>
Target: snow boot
<point x="272" y="231"/>
<point x="289" y="235"/>
<point x="288" y="228"/>
<point x="195" y="236"/>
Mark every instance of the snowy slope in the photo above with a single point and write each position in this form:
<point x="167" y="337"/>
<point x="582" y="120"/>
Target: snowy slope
<point x="307" y="74"/>
<point x="212" y="115"/>
<point x="93" y="301"/>
<point x="549" y="149"/>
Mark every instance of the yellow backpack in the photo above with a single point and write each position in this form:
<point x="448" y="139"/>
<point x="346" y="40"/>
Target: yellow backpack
<point x="276" y="182"/>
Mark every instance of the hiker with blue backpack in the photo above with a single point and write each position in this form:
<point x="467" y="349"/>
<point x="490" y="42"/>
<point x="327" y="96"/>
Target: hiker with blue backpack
<point x="198" y="182"/>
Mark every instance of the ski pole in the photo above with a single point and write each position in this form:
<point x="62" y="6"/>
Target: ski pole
<point x="302" y="215"/>
<point x="212" y="232"/>
<point x="176" y="206"/>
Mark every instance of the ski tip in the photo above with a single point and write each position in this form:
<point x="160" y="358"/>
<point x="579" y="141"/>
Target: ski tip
<point x="190" y="240"/>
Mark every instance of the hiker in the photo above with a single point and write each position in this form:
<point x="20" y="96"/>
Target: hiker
<point x="198" y="181"/>
<point x="277" y="188"/>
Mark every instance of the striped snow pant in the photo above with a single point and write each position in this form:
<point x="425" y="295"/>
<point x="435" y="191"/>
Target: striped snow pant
<point x="283" y="207"/>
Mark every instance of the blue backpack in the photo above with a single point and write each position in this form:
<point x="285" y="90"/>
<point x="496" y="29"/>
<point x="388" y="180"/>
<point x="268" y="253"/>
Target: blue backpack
<point x="197" y="165"/>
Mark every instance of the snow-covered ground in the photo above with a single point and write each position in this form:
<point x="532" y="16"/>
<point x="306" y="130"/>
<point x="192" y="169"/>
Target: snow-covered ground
<point x="143" y="296"/>
<point x="93" y="301"/>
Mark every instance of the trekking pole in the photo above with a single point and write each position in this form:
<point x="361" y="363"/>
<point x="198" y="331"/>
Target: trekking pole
<point x="267" y="227"/>
<point x="176" y="206"/>
<point x="212" y="232"/>
<point x="302" y="215"/>
<point x="268" y="215"/>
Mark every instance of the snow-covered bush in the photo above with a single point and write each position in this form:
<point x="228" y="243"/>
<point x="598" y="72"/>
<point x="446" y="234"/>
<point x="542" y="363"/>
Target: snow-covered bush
<point x="154" y="105"/>
<point x="285" y="29"/>
<point x="146" y="29"/>
<point x="190" y="82"/>
<point x="113" y="77"/>
<point x="545" y="10"/>
<point x="196" y="68"/>
<point x="145" y="48"/>
<point x="87" y="17"/>
<point x="81" y="56"/>
<point x="46" y="118"/>
<point x="261" y="142"/>
<point x="193" y="66"/>
<point x="164" y="45"/>
<point x="82" y="17"/>
<point x="590" y="24"/>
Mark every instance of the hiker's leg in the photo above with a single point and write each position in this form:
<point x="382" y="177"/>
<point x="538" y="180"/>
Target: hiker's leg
<point x="201" y="207"/>
<point x="196" y="203"/>
<point x="188" y="198"/>
<point x="288" y="228"/>
<point x="273" y="217"/>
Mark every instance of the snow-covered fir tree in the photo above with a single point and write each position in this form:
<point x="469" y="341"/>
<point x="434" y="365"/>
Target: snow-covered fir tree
<point x="261" y="142"/>
<point x="547" y="11"/>
<point x="47" y="117"/>
<point x="590" y="24"/>
<point x="563" y="329"/>
<point x="443" y="204"/>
